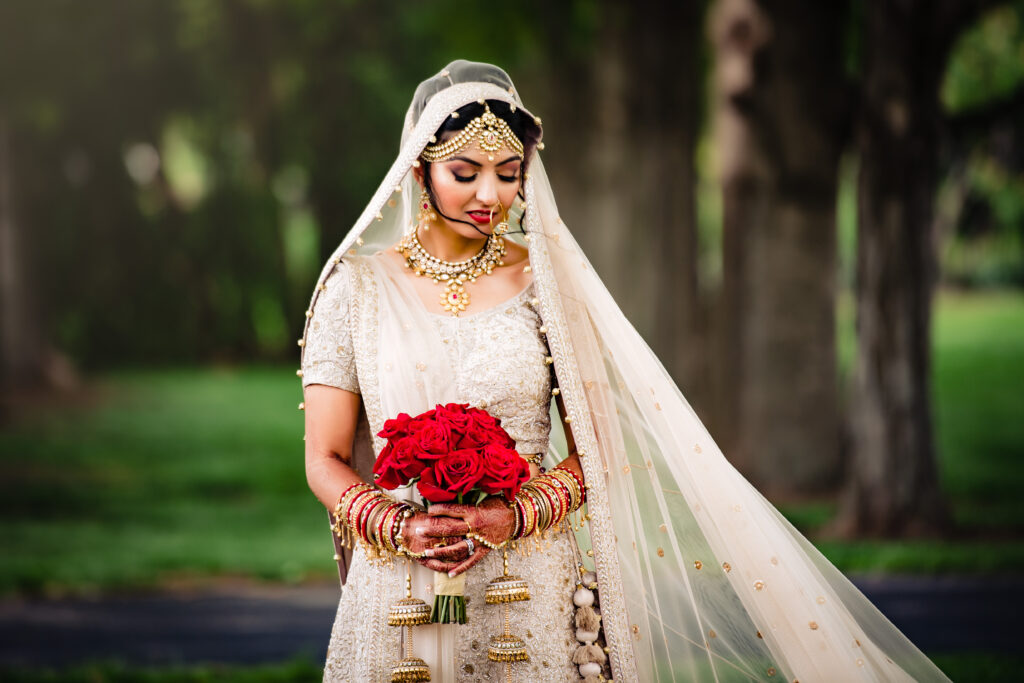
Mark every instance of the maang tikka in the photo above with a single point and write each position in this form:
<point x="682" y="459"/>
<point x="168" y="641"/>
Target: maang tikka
<point x="488" y="131"/>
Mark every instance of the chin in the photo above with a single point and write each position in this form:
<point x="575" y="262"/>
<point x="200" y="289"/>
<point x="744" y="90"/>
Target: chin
<point x="470" y="233"/>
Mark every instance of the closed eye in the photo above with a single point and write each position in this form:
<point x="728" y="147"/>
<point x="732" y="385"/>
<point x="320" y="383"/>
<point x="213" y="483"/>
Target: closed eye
<point x="471" y="178"/>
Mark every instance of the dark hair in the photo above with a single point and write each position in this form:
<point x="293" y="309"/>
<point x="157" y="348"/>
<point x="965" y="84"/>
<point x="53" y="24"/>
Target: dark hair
<point x="521" y="123"/>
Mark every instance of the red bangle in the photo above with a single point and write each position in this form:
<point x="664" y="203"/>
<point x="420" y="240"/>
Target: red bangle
<point x="384" y="518"/>
<point x="360" y="522"/>
<point x="347" y="489"/>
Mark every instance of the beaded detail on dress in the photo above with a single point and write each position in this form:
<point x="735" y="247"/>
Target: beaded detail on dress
<point x="499" y="359"/>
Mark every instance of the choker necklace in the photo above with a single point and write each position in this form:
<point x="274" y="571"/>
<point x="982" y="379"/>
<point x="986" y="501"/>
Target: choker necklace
<point x="452" y="274"/>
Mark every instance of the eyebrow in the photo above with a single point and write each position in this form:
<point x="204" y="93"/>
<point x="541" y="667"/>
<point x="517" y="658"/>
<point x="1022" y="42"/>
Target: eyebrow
<point x="479" y="165"/>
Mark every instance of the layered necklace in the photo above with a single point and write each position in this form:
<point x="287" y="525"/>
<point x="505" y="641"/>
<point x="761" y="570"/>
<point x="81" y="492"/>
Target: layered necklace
<point x="452" y="274"/>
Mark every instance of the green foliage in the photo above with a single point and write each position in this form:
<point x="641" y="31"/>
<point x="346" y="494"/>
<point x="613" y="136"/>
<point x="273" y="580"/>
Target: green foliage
<point x="174" y="472"/>
<point x="982" y="198"/>
<point x="980" y="667"/>
<point x="270" y="123"/>
<point x="988" y="60"/>
<point x="974" y="667"/>
<point x="978" y="372"/>
<point x="166" y="473"/>
<point x="297" y="671"/>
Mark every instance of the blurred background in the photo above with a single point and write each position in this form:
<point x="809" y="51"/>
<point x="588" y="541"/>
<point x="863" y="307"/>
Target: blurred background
<point x="813" y="212"/>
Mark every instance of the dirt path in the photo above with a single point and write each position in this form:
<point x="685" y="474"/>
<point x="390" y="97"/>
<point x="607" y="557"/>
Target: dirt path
<point x="262" y="624"/>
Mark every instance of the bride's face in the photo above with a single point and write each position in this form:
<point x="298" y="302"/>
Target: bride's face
<point x="475" y="190"/>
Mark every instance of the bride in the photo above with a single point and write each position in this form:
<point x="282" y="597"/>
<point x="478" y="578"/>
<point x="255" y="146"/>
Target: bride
<point x="645" y="555"/>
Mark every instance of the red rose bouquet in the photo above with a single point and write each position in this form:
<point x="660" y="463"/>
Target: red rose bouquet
<point x="452" y="453"/>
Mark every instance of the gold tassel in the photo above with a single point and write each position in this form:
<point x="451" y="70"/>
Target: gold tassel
<point x="504" y="590"/>
<point x="406" y="613"/>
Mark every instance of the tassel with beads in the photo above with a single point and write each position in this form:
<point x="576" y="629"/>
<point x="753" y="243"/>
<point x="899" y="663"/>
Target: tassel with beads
<point x="587" y="619"/>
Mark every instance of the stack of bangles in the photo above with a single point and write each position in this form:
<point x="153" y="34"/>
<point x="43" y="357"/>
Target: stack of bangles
<point x="367" y="514"/>
<point x="545" y="501"/>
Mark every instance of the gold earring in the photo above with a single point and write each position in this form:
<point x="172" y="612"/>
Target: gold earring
<point x="426" y="213"/>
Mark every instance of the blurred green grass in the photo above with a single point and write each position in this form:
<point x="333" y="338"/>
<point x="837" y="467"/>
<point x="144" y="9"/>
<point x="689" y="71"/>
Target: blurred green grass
<point x="171" y="472"/>
<point x="298" y="671"/>
<point x="978" y="390"/>
<point x="199" y="472"/>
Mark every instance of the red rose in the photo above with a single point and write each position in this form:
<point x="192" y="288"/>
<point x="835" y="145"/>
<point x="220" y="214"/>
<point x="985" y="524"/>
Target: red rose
<point x="432" y="490"/>
<point x="454" y="474"/>
<point x="386" y="475"/>
<point x="491" y="425"/>
<point x="434" y="438"/>
<point x="474" y="436"/>
<point x="396" y="427"/>
<point x="454" y="414"/>
<point x="399" y="462"/>
<point x="505" y="471"/>
<point x="482" y="417"/>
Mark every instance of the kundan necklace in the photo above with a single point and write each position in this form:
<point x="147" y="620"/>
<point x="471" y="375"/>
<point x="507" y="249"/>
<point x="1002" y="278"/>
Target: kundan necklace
<point x="452" y="274"/>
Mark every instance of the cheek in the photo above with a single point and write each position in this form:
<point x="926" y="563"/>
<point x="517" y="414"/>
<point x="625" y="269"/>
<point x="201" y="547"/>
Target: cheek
<point x="449" y="192"/>
<point x="508" y="193"/>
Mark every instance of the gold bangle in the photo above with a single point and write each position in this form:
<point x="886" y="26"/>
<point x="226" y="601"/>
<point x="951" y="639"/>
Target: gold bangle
<point x="571" y="485"/>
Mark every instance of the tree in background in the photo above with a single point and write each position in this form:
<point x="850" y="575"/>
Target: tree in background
<point x="174" y="194"/>
<point x="626" y="177"/>
<point x="781" y="103"/>
<point x="894" y="481"/>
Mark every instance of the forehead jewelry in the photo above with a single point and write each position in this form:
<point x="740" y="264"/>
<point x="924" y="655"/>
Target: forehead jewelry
<point x="489" y="131"/>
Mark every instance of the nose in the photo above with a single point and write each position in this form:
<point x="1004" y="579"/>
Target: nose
<point x="487" y="190"/>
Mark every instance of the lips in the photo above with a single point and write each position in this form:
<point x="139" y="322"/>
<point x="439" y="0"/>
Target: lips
<point x="480" y="216"/>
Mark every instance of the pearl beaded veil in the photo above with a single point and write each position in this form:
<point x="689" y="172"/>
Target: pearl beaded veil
<point x="700" y="578"/>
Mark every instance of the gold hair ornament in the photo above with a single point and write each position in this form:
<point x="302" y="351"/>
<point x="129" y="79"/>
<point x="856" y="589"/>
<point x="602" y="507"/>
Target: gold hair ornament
<point x="490" y="132"/>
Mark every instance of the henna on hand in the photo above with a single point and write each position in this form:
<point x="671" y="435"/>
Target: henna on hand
<point x="422" y="531"/>
<point x="492" y="520"/>
<point x="454" y="553"/>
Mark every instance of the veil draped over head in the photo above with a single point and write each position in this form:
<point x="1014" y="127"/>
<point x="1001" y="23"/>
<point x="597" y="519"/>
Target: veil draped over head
<point x="700" y="578"/>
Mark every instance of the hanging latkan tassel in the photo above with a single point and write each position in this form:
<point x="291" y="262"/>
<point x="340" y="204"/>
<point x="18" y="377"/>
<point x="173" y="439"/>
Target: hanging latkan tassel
<point x="503" y="590"/>
<point x="406" y="613"/>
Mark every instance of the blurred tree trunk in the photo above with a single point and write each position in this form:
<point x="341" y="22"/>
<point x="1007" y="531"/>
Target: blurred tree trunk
<point x="22" y="352"/>
<point x="894" y="485"/>
<point x="780" y="125"/>
<point x="669" y="52"/>
<point x="627" y="178"/>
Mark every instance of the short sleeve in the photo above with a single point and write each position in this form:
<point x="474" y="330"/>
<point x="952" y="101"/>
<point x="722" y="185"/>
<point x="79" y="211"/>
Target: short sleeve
<point x="328" y="356"/>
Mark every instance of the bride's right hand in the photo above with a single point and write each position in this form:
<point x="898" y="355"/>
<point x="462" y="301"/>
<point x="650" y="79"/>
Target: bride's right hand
<point x="422" y="531"/>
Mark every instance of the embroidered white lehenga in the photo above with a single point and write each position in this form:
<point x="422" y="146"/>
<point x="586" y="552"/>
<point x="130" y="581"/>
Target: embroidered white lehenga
<point x="495" y="358"/>
<point x="700" y="578"/>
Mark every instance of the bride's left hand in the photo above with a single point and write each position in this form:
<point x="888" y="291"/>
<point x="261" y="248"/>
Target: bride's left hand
<point x="492" y="519"/>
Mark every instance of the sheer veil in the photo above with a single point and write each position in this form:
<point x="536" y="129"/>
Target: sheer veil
<point x="700" y="578"/>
